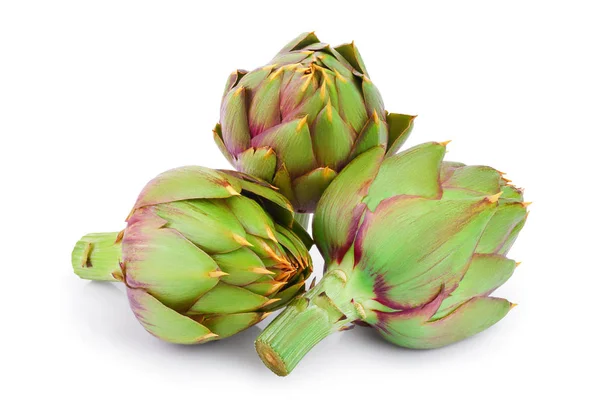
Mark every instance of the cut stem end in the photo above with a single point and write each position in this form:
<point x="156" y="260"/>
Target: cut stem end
<point x="97" y="257"/>
<point x="270" y="358"/>
<point x="302" y="325"/>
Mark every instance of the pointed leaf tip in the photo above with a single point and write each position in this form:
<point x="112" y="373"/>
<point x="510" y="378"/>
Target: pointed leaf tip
<point x="262" y="271"/>
<point x="242" y="240"/>
<point x="494" y="198"/>
<point x="399" y="127"/>
<point x="270" y="234"/>
<point x="271" y="301"/>
<point x="375" y="117"/>
<point x="231" y="190"/>
<point x="217" y="274"/>
<point x="301" y="123"/>
<point x="208" y="336"/>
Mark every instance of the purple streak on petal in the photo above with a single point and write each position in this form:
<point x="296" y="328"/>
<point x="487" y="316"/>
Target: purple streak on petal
<point x="137" y="308"/>
<point x="290" y="114"/>
<point x="360" y="235"/>
<point x="380" y="288"/>
<point x="140" y="226"/>
<point x="289" y="104"/>
<point x="357" y="213"/>
<point x="424" y="312"/>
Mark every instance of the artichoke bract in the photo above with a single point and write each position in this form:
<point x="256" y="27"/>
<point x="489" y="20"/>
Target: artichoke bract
<point x="413" y="247"/>
<point x="299" y="120"/>
<point x="205" y="254"/>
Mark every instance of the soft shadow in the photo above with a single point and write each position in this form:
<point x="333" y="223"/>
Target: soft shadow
<point x="238" y="348"/>
<point x="371" y="336"/>
<point x="103" y="315"/>
<point x="371" y="342"/>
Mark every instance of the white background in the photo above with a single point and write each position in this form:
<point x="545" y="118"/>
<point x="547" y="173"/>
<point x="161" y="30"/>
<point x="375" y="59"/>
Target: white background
<point x="96" y="98"/>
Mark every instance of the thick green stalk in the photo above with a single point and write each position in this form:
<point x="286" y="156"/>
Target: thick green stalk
<point x="303" y="219"/>
<point x="96" y="256"/>
<point x="323" y="310"/>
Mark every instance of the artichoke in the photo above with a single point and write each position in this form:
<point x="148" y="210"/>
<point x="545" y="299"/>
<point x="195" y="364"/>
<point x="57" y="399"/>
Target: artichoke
<point x="413" y="247"/>
<point x="205" y="254"/>
<point x="299" y="120"/>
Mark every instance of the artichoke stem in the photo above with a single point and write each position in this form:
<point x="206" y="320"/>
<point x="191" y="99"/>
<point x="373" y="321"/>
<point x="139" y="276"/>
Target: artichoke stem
<point x="305" y="322"/>
<point x="303" y="219"/>
<point x="97" y="257"/>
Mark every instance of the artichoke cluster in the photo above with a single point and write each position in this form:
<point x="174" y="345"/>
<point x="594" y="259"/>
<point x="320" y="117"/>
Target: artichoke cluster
<point x="413" y="245"/>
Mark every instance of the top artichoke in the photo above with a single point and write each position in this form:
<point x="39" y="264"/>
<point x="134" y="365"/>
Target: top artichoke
<point x="205" y="254"/>
<point x="413" y="247"/>
<point x="300" y="119"/>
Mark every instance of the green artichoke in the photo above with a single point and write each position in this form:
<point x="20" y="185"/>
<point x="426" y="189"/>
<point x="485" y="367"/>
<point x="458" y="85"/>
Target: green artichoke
<point x="299" y="120"/>
<point x="413" y="247"/>
<point x="205" y="254"/>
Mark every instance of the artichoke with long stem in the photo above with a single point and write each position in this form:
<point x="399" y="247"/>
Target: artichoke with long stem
<point x="413" y="247"/>
<point x="299" y="120"/>
<point x="205" y="254"/>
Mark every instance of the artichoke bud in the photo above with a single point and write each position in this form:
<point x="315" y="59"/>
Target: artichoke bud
<point x="205" y="254"/>
<point x="312" y="107"/>
<point x="421" y="244"/>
